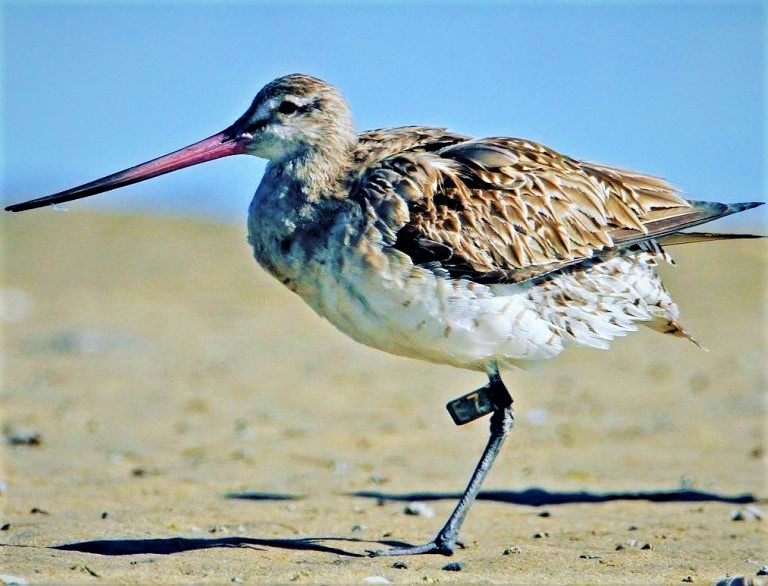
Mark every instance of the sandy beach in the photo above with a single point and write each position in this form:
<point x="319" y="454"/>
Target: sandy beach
<point x="171" y="414"/>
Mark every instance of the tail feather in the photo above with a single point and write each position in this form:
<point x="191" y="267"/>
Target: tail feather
<point x="689" y="237"/>
<point x="671" y="221"/>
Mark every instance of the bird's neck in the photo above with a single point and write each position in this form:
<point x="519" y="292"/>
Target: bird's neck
<point x="296" y="200"/>
<point x="296" y="197"/>
<point x="319" y="170"/>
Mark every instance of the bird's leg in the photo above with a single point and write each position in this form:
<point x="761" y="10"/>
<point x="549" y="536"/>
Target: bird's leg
<point x="502" y="420"/>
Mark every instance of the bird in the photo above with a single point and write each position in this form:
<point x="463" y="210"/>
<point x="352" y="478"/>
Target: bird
<point x="484" y="254"/>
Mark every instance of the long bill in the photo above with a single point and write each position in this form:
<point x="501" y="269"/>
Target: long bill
<point x="219" y="145"/>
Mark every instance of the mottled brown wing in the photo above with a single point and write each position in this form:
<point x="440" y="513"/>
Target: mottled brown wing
<point x="509" y="210"/>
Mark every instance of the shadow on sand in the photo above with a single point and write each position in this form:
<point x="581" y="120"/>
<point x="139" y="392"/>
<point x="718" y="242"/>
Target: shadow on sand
<point x="533" y="497"/>
<point x="263" y="496"/>
<point x="170" y="545"/>
<point x="538" y="497"/>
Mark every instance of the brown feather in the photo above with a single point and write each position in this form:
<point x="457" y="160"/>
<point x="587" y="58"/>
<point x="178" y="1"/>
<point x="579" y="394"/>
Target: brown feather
<point x="511" y="210"/>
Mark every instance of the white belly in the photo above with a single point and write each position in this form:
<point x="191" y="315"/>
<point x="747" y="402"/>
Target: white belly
<point x="390" y="305"/>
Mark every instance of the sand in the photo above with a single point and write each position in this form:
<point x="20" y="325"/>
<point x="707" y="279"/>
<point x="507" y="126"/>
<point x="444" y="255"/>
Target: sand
<point x="173" y="415"/>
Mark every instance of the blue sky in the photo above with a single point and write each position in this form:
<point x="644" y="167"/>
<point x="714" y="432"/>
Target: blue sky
<point x="670" y="88"/>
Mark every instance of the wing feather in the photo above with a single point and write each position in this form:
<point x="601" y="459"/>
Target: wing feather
<point x="505" y="210"/>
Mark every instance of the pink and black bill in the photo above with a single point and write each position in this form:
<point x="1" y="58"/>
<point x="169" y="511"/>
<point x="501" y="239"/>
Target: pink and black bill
<point x="228" y="142"/>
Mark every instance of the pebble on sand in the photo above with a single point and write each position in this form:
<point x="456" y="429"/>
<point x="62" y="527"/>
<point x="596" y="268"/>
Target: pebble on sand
<point x="749" y="513"/>
<point x="419" y="510"/>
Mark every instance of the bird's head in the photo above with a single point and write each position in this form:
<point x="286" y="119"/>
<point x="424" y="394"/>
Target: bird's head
<point x="295" y="117"/>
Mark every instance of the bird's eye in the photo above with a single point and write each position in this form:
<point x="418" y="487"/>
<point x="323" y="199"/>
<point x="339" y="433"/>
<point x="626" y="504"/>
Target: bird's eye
<point x="287" y="107"/>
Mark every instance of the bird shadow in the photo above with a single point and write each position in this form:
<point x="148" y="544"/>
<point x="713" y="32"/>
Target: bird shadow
<point x="538" y="497"/>
<point x="171" y="545"/>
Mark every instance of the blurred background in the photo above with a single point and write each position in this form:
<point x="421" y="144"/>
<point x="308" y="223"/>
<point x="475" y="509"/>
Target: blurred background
<point x="675" y="89"/>
<point x="162" y="371"/>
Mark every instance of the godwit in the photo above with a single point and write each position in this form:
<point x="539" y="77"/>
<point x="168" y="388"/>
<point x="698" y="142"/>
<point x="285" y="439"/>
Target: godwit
<point x="477" y="253"/>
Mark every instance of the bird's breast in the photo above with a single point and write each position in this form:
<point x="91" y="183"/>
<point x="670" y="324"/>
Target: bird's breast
<point x="338" y="261"/>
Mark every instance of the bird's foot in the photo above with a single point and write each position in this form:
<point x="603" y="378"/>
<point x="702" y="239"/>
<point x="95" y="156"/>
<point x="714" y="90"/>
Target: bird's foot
<point x="437" y="546"/>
